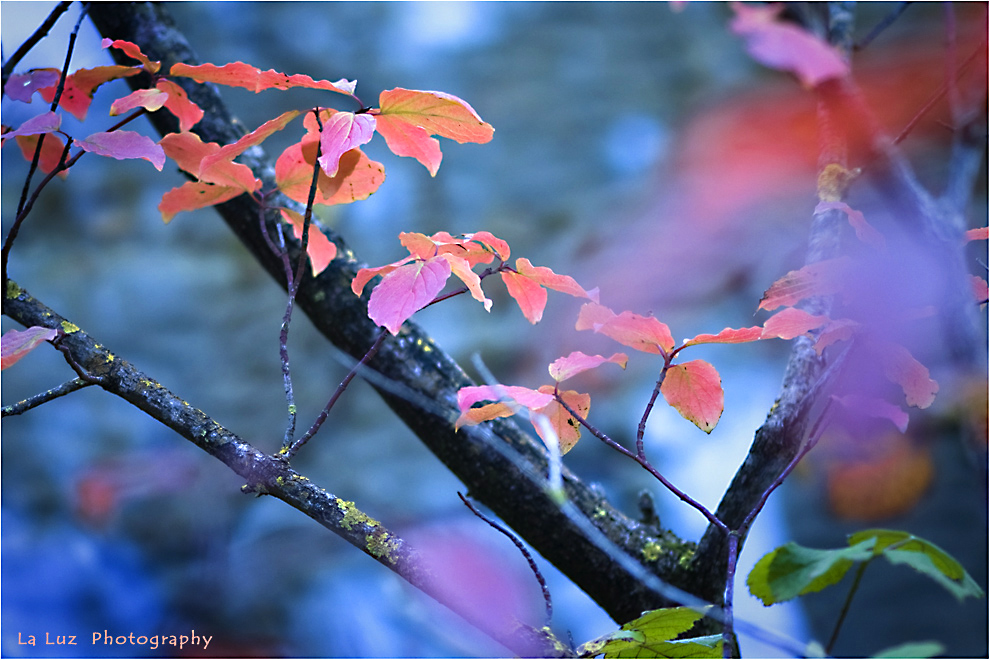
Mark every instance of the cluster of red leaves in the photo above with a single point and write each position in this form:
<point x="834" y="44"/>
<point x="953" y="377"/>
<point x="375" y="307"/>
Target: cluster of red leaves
<point x="407" y="120"/>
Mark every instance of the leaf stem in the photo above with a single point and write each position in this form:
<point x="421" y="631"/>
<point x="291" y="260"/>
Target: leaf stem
<point x="290" y="450"/>
<point x="845" y="607"/>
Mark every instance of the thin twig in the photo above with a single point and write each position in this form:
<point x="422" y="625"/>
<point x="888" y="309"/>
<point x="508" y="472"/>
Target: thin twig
<point x="290" y="450"/>
<point x="40" y="33"/>
<point x="645" y="464"/>
<point x="885" y="23"/>
<point x="44" y="397"/>
<point x="519" y="544"/>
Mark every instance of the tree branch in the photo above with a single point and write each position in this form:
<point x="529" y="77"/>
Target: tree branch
<point x="420" y="380"/>
<point x="264" y="474"/>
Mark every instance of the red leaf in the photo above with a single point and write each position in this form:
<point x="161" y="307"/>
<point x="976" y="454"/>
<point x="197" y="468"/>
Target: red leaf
<point x="51" y="151"/>
<point x="644" y="333"/>
<point x="980" y="289"/>
<point x="492" y="242"/>
<point x="342" y="132"/>
<point x="133" y="51"/>
<point x="321" y="250"/>
<point x="149" y="99"/>
<point x="123" y="145"/>
<point x="818" y="279"/>
<point x="790" y="323"/>
<point x="900" y="367"/>
<point x="15" y="344"/>
<point x="565" y="426"/>
<point x="239" y="74"/>
<point x="864" y="230"/>
<point x="694" y="389"/>
<point x="178" y="103"/>
<point x="46" y="122"/>
<point x="577" y="362"/>
<point x="406" y="290"/>
<point x="80" y="86"/>
<point x="728" y="336"/>
<point x="21" y="86"/>
<point x="194" y="195"/>
<point x="785" y="46"/>
<point x="978" y="234"/>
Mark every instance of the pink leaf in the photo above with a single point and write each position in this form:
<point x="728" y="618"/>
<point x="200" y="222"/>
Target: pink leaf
<point x="46" y="122"/>
<point x="872" y="407"/>
<point x="833" y="331"/>
<point x="492" y="242"/>
<point x="551" y="280"/>
<point x="123" y="145"/>
<point x="864" y="230"/>
<point x="728" y="336"/>
<point x="694" y="389"/>
<point x="530" y="296"/>
<point x="21" y="86"/>
<point x="406" y="290"/>
<point x="523" y="396"/>
<point x="980" y="288"/>
<point x="15" y="344"/>
<point x="785" y="46"/>
<point x="320" y="249"/>
<point x="436" y="112"/>
<point x="462" y="269"/>
<point x="790" y="323"/>
<point x="900" y="367"/>
<point x="644" y="333"/>
<point x="577" y="362"/>
<point x="149" y="99"/>
<point x="342" y="132"/>
<point x="978" y="234"/>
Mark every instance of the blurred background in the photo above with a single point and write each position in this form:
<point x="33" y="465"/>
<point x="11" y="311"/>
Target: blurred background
<point x="637" y="148"/>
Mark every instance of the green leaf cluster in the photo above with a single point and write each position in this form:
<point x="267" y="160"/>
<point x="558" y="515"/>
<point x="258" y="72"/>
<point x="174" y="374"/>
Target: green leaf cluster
<point x="793" y="570"/>
<point x="653" y="636"/>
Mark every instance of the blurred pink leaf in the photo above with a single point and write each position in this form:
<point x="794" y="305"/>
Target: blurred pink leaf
<point x="15" y="344"/>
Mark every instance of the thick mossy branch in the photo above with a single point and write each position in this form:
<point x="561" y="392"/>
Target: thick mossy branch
<point x="505" y="469"/>
<point x="264" y="474"/>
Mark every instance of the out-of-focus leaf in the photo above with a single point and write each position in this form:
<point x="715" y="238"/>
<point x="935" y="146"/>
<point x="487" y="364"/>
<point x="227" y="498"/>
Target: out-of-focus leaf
<point x="791" y="322"/>
<point x="15" y="344"/>
<point x="577" y="362"/>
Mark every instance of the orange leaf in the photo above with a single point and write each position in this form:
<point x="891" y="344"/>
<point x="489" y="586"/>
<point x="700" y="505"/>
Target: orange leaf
<point x="565" y="425"/>
<point x="239" y="74"/>
<point x="189" y="153"/>
<point x="577" y="362"/>
<point x="492" y="242"/>
<point x="194" y="195"/>
<point x="644" y="333"/>
<point x="357" y="175"/>
<point x="694" y="389"/>
<point x="817" y="279"/>
<point x="728" y="336"/>
<point x="551" y="280"/>
<point x="406" y="290"/>
<point x="320" y="249"/>
<point x="462" y="269"/>
<point x="257" y="136"/>
<point x="790" y="323"/>
<point x="405" y="139"/>
<point x="51" y="151"/>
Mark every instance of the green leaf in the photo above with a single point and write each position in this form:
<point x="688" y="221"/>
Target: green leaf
<point x="923" y="556"/>
<point x="793" y="570"/>
<point x="652" y="636"/>
<point x="912" y="650"/>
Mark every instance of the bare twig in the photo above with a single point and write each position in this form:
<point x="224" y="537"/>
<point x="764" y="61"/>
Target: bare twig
<point x="38" y="399"/>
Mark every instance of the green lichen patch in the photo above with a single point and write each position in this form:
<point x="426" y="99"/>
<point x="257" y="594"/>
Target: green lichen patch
<point x="381" y="545"/>
<point x="69" y="328"/>
<point x="12" y="289"/>
<point x="354" y="516"/>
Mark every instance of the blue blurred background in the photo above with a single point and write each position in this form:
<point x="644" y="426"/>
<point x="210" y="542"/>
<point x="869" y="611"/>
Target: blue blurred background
<point x="637" y="148"/>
